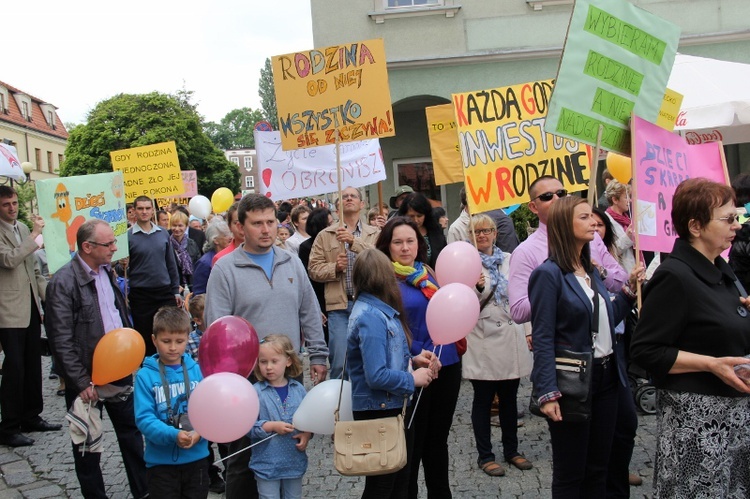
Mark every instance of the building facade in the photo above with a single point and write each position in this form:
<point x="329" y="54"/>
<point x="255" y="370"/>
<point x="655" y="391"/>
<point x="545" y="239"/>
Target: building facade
<point x="245" y="159"/>
<point x="438" y="47"/>
<point x="33" y="127"/>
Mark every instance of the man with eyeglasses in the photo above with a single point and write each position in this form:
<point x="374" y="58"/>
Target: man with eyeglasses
<point x="531" y="253"/>
<point x="331" y="262"/>
<point x="86" y="304"/>
<point x="153" y="278"/>
<point x="23" y="289"/>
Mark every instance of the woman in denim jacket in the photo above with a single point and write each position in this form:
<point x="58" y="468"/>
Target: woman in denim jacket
<point x="378" y="358"/>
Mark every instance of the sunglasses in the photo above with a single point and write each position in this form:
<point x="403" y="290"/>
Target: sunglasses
<point x="729" y="219"/>
<point x="547" y="196"/>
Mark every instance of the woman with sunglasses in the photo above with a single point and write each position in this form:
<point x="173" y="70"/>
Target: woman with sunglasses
<point x="571" y="310"/>
<point x="496" y="357"/>
<point x="693" y="333"/>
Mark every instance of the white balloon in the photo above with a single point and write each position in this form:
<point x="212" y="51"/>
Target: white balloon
<point x="315" y="413"/>
<point x="200" y="206"/>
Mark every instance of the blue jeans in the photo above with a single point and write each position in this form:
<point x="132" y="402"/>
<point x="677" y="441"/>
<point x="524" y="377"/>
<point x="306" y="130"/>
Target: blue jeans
<point x="338" y="324"/>
<point x="289" y="488"/>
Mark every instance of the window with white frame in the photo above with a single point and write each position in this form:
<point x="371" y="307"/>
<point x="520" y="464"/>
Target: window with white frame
<point x="235" y="160"/>
<point x="25" y="111"/>
<point x="2" y="103"/>
<point x="392" y="9"/>
<point x="249" y="182"/>
<point x="249" y="163"/>
<point x="412" y="3"/>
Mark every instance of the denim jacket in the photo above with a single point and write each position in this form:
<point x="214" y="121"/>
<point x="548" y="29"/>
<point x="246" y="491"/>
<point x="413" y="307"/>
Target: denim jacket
<point x="277" y="458"/>
<point x="377" y="356"/>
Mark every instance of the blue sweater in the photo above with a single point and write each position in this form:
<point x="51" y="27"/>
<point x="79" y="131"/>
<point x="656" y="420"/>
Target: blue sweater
<point x="151" y="412"/>
<point x="415" y="309"/>
<point x="152" y="261"/>
<point x="277" y="458"/>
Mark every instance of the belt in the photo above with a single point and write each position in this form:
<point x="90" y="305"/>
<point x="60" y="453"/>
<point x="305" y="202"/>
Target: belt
<point x="602" y="361"/>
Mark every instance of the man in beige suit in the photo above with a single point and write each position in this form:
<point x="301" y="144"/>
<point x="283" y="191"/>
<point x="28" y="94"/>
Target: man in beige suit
<point x="22" y="288"/>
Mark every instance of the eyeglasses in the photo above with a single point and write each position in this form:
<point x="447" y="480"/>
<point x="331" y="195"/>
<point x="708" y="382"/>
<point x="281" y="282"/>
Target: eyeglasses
<point x="349" y="196"/>
<point x="729" y="219"/>
<point x="486" y="232"/>
<point x="103" y="245"/>
<point x="547" y="196"/>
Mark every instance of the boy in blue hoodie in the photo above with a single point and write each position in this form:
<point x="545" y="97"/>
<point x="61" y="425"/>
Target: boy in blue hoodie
<point x="175" y="454"/>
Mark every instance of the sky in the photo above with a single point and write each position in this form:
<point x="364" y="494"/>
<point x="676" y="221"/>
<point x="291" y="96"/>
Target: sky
<point x="75" y="54"/>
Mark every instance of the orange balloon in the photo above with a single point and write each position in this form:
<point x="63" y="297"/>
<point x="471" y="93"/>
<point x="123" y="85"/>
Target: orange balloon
<point x="619" y="167"/>
<point x="118" y="354"/>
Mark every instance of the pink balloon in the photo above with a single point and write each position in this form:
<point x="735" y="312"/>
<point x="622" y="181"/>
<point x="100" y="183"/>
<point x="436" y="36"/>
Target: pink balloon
<point x="452" y="313"/>
<point x="230" y="344"/>
<point x="223" y="407"/>
<point x="458" y="262"/>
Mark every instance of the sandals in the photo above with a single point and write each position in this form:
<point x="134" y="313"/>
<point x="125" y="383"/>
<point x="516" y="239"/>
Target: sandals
<point x="521" y="463"/>
<point x="492" y="468"/>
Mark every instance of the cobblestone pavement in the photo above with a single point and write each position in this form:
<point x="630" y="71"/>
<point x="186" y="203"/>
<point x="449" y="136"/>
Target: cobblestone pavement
<point x="45" y="469"/>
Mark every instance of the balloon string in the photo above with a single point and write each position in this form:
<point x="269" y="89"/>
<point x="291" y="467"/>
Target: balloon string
<point x="246" y="448"/>
<point x="419" y="396"/>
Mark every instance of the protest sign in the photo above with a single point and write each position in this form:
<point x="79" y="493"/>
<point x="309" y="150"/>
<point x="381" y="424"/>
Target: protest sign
<point x="504" y="147"/>
<point x="190" y="181"/>
<point x="312" y="171"/>
<point x="616" y="61"/>
<point x="443" y="134"/>
<point x="342" y="87"/>
<point x="662" y="160"/>
<point x="670" y="109"/>
<point x="66" y="202"/>
<point x="152" y="171"/>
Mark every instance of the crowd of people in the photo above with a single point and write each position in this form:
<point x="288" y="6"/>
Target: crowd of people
<point x="350" y="289"/>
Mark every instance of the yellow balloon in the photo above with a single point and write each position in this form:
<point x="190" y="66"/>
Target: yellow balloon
<point x="619" y="167"/>
<point x="221" y="200"/>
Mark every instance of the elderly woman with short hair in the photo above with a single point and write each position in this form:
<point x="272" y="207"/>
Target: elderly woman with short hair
<point x="497" y="355"/>
<point x="693" y="331"/>
<point x="618" y="196"/>
<point x="218" y="237"/>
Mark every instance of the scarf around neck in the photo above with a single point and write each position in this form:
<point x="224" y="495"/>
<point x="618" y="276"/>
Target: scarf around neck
<point x="497" y="280"/>
<point x="623" y="219"/>
<point x="417" y="276"/>
<point x="183" y="257"/>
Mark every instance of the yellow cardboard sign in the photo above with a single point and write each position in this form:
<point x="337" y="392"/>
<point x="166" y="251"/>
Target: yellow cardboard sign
<point x="670" y="108"/>
<point x="152" y="171"/>
<point x="443" y="134"/>
<point x="504" y="147"/>
<point x="342" y="87"/>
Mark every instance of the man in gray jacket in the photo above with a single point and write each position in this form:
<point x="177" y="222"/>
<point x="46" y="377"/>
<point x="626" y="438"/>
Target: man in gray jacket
<point x="268" y="287"/>
<point x="85" y="304"/>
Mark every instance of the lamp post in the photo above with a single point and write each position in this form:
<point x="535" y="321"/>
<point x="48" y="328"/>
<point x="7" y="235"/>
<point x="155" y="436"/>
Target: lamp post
<point x="27" y="168"/>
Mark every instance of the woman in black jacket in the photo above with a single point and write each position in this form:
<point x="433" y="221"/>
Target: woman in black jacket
<point x="693" y="331"/>
<point x="417" y="207"/>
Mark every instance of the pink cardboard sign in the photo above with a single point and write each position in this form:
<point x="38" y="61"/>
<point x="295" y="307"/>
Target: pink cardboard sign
<point x="661" y="160"/>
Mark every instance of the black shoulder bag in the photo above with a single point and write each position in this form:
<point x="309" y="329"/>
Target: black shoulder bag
<point x="574" y="372"/>
<point x="181" y="422"/>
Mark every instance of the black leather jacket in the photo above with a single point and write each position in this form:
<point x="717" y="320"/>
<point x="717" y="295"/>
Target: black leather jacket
<point x="73" y="322"/>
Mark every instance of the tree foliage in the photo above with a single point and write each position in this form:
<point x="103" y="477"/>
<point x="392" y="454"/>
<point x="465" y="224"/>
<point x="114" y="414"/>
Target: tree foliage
<point x="267" y="94"/>
<point x="128" y="120"/>
<point x="235" y="131"/>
